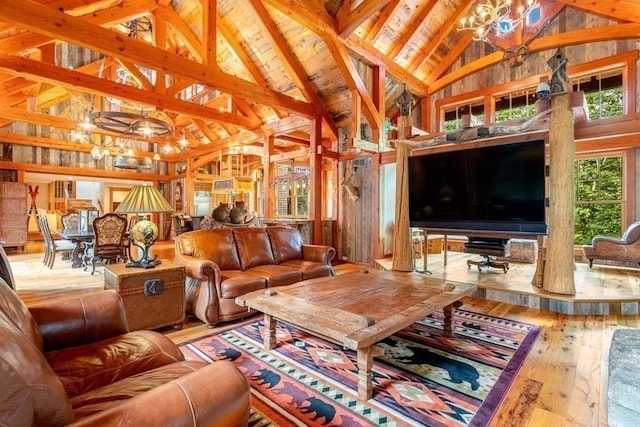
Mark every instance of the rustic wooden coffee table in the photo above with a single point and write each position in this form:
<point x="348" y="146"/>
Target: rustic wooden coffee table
<point x="357" y="309"/>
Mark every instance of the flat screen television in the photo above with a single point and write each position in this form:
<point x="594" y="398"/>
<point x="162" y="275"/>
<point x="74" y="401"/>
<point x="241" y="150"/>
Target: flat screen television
<point x="490" y="188"/>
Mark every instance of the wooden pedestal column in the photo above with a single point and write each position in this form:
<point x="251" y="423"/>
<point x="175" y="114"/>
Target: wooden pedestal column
<point x="402" y="242"/>
<point x="559" y="263"/>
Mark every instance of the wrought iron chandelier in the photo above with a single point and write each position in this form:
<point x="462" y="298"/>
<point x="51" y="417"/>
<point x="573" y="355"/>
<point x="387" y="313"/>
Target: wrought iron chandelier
<point x="496" y="16"/>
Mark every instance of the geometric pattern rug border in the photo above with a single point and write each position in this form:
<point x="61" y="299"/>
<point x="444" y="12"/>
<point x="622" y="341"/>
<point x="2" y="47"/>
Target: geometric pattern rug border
<point x="422" y="379"/>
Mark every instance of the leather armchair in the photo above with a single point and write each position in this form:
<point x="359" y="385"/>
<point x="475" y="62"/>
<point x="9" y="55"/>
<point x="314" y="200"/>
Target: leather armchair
<point x="625" y="248"/>
<point x="73" y="362"/>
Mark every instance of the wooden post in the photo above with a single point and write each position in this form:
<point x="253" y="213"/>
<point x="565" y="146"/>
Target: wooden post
<point x="402" y="242"/>
<point x="559" y="263"/>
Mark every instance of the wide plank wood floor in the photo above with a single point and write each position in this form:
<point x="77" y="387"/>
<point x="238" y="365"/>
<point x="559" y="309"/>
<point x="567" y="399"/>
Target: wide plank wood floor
<point x="563" y="381"/>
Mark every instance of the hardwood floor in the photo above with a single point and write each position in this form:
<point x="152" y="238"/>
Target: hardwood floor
<point x="562" y="382"/>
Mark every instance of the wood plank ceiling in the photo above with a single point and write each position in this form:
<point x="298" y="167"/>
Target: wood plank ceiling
<point x="230" y="72"/>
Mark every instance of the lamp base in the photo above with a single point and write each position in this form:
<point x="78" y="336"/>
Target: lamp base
<point x="144" y="263"/>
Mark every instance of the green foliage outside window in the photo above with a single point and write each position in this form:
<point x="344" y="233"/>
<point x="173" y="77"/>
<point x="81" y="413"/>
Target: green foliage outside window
<point x="598" y="210"/>
<point x="605" y="103"/>
<point x="516" y="113"/>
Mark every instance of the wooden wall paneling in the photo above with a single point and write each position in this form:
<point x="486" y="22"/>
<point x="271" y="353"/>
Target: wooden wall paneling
<point x="13" y="214"/>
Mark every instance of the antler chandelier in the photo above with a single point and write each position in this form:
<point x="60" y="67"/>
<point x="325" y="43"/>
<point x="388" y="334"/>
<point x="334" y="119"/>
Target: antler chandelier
<point x="495" y="15"/>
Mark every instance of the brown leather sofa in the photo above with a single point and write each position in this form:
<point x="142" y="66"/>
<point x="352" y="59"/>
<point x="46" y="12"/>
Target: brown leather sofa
<point x="222" y="264"/>
<point x="623" y="249"/>
<point x="72" y="361"/>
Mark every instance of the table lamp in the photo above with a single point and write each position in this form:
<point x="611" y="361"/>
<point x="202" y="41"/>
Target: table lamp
<point x="144" y="200"/>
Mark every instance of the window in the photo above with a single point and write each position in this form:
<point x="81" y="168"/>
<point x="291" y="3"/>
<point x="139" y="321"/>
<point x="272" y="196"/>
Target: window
<point x="291" y="191"/>
<point x="603" y="92"/>
<point x="598" y="207"/>
<point x="453" y="116"/>
<point x="516" y="105"/>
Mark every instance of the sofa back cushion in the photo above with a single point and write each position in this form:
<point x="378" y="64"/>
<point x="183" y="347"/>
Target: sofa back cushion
<point x="286" y="243"/>
<point x="215" y="245"/>
<point x="254" y="247"/>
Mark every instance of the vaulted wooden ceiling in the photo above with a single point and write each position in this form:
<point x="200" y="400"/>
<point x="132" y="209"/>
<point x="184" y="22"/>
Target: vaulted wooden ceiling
<point x="230" y="72"/>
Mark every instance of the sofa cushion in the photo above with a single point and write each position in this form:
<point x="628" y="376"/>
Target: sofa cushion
<point x="254" y="247"/>
<point x="28" y="383"/>
<point x="234" y="283"/>
<point x="94" y="365"/>
<point x="115" y="393"/>
<point x="277" y="275"/>
<point x="310" y="269"/>
<point x="286" y="243"/>
<point x="214" y="245"/>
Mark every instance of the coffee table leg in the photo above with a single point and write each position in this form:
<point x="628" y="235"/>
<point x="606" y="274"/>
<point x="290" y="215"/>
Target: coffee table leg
<point x="270" y="339"/>
<point x="365" y="364"/>
<point x="448" y="318"/>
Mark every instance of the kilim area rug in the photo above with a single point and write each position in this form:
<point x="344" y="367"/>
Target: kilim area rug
<point x="422" y="379"/>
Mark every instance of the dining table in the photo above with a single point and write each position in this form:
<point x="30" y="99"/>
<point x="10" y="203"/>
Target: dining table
<point x="79" y="237"/>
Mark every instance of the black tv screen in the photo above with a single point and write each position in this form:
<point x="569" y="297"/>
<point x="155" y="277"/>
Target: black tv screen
<point x="492" y="188"/>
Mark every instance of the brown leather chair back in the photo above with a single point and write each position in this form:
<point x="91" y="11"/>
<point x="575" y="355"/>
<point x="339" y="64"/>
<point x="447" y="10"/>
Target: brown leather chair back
<point x="5" y="269"/>
<point x="286" y="243"/>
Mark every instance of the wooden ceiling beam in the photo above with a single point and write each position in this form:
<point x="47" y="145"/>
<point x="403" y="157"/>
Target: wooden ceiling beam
<point x="210" y="33"/>
<point x="53" y="23"/>
<point x="89" y="172"/>
<point x="160" y="40"/>
<point x="569" y="38"/>
<point x="16" y="85"/>
<point x="353" y="79"/>
<point x="324" y="26"/>
<point x="349" y="20"/>
<point x="416" y="21"/>
<point x="294" y="68"/>
<point x="136" y="74"/>
<point x="388" y="11"/>
<point x="445" y="63"/>
<point x="620" y="10"/>
<point x="185" y="34"/>
<point x="312" y="15"/>
<point x="125" y="11"/>
<point x="442" y="33"/>
<point x="205" y="129"/>
<point x="244" y="57"/>
<point x="73" y="79"/>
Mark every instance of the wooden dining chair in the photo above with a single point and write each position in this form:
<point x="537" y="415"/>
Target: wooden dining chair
<point x="70" y="221"/>
<point x="108" y="244"/>
<point x="52" y="246"/>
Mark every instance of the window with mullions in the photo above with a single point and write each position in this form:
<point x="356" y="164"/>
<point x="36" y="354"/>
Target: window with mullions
<point x="598" y="210"/>
<point x="516" y="105"/>
<point x="453" y="116"/>
<point x="603" y="93"/>
<point x="291" y="191"/>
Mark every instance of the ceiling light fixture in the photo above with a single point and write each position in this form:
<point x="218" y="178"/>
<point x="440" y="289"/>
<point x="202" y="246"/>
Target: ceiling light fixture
<point x="496" y="16"/>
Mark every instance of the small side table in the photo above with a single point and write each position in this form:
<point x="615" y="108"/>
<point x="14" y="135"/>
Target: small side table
<point x="153" y="297"/>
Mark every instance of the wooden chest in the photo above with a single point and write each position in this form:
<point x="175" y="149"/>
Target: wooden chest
<point x="153" y="297"/>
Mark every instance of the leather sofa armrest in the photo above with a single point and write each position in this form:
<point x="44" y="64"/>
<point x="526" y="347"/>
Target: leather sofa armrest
<point x="84" y="319"/>
<point x="215" y="395"/>
<point x="318" y="253"/>
<point x="201" y="269"/>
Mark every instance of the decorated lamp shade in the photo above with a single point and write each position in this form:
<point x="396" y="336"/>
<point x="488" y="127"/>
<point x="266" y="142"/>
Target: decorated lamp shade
<point x="143" y="199"/>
